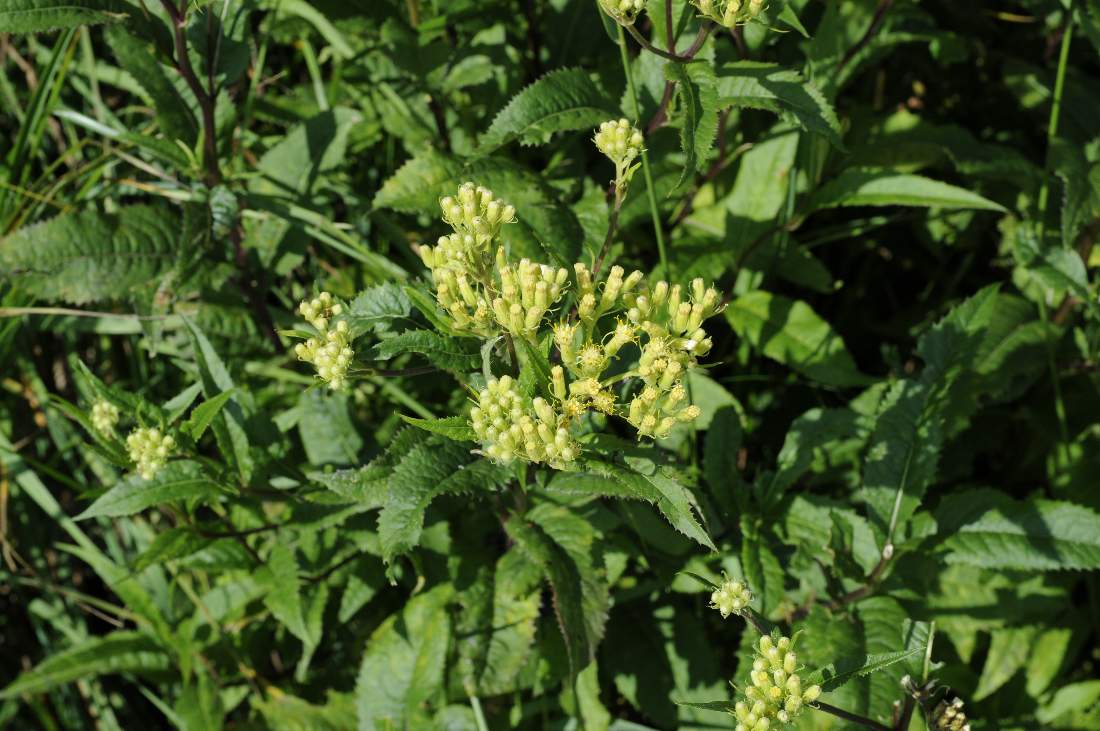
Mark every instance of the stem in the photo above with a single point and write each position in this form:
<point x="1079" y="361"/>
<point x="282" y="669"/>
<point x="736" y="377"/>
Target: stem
<point x="650" y="193"/>
<point x="860" y="720"/>
<point x="876" y="23"/>
<point x="612" y="225"/>
<point x="1055" y="116"/>
<point x="206" y="101"/>
<point x="650" y="47"/>
<point x="479" y="717"/>
<point x="661" y="115"/>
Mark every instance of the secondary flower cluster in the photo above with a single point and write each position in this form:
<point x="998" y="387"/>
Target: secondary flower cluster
<point x="729" y="12"/>
<point x="776" y="693"/>
<point x="623" y="11"/>
<point x="732" y="597"/>
<point x="950" y="717"/>
<point x="330" y="350"/>
<point x="149" y="450"/>
<point x="104" y="417"/>
<point x="621" y="143"/>
<point x="513" y="425"/>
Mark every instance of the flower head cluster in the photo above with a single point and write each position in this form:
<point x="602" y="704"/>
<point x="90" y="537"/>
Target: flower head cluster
<point x="149" y="450"/>
<point x="950" y="717"/>
<point x="621" y="143"/>
<point x="623" y="11"/>
<point x="512" y="425"/>
<point x="527" y="291"/>
<point x="104" y="417"/>
<point x="330" y="350"/>
<point x="776" y="693"/>
<point x="729" y="12"/>
<point x="732" y="597"/>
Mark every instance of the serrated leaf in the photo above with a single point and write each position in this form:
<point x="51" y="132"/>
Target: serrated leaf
<point x="656" y="487"/>
<point x="169" y="545"/>
<point x="987" y="528"/>
<point x="376" y="308"/>
<point x="699" y="109"/>
<point x="404" y="661"/>
<point x="294" y="166"/>
<point x="763" y="573"/>
<point x="562" y="100"/>
<point x="453" y="427"/>
<point x="776" y="89"/>
<point x="119" y="652"/>
<point x="34" y="16"/>
<point x="836" y="674"/>
<point x="177" y="480"/>
<point x="567" y="584"/>
<point x="884" y="188"/>
<point x="328" y="433"/>
<point x="280" y="577"/>
<point x="790" y="332"/>
<point x="455" y="354"/>
<point x="807" y="434"/>
<point x="92" y="256"/>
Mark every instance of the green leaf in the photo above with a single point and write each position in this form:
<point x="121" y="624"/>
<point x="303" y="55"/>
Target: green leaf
<point x="92" y="256"/>
<point x="808" y="434"/>
<point x="562" y="100"/>
<point x="649" y="483"/>
<point x="34" y="16"/>
<point x="884" y="188"/>
<point x="377" y="308"/>
<point x="836" y="674"/>
<point x="136" y="54"/>
<point x="119" y="652"/>
<point x="404" y="661"/>
<point x="699" y="103"/>
<point x="428" y="470"/>
<point x="204" y="414"/>
<point x="1009" y="650"/>
<point x="790" y="332"/>
<point x="453" y="427"/>
<point x="295" y="165"/>
<point x="169" y="545"/>
<point x="763" y="572"/>
<point x="328" y="433"/>
<point x="454" y="354"/>
<point x="987" y="528"/>
<point x="280" y="577"/>
<point x="230" y="423"/>
<point x="776" y="89"/>
<point x="567" y="583"/>
<point x="177" y="480"/>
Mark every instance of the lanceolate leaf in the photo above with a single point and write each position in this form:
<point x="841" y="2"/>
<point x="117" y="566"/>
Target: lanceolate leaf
<point x="453" y="427"/>
<point x="565" y="99"/>
<point x="32" y="16"/>
<point x="883" y="188"/>
<point x="783" y="91"/>
<point x="177" y="480"/>
<point x="987" y="528"/>
<point x="457" y="354"/>
<point x="120" y="652"/>
<point x="92" y="256"/>
<point x="790" y="332"/>
<point x="836" y="674"/>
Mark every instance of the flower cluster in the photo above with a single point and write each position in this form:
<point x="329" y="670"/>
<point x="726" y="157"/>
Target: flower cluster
<point x="622" y="143"/>
<point x="776" y="693"/>
<point x="527" y="291"/>
<point x="623" y="11"/>
<point x="729" y="12"/>
<point x="104" y="417"/>
<point x="330" y="350"/>
<point x="950" y="717"/>
<point x="512" y="425"/>
<point x="149" y="450"/>
<point x="732" y="597"/>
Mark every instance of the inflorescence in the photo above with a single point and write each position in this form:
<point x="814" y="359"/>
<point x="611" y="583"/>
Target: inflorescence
<point x="729" y="12"/>
<point x="105" y="417"/>
<point x="732" y="597"/>
<point x="604" y="320"/>
<point x="149" y="450"/>
<point x="776" y="694"/>
<point x="623" y="11"/>
<point x="950" y="717"/>
<point x="330" y="350"/>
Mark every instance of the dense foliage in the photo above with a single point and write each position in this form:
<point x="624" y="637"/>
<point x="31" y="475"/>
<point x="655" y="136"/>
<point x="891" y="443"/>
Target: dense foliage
<point x="595" y="364"/>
